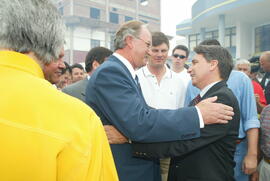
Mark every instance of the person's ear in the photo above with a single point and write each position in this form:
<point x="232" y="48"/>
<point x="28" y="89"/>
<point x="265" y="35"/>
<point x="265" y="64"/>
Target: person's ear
<point x="214" y="64"/>
<point x="95" y="65"/>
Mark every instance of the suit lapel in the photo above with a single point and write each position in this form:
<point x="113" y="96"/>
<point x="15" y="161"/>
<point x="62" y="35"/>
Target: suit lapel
<point x="116" y="60"/>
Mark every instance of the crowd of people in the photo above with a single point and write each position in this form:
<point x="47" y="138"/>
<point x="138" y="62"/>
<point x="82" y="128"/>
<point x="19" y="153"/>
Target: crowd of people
<point x="127" y="115"/>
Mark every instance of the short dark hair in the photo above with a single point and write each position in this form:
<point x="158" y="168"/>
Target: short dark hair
<point x="159" y="38"/>
<point x="210" y="42"/>
<point x="96" y="54"/>
<point x="181" y="47"/>
<point x="77" y="65"/>
<point x="222" y="55"/>
<point x="67" y="69"/>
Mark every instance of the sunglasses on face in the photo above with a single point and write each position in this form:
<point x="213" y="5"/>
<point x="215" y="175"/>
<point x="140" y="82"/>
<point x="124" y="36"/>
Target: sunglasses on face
<point x="179" y="56"/>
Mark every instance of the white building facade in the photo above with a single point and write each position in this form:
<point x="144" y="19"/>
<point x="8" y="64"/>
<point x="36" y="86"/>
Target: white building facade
<point x="242" y="26"/>
<point x="92" y="23"/>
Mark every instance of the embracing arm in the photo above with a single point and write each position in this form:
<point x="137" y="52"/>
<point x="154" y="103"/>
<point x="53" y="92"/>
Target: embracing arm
<point x="209" y="134"/>
<point x="117" y="100"/>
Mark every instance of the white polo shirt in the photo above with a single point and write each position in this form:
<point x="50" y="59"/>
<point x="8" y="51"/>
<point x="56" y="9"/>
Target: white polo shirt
<point x="184" y="76"/>
<point x="170" y="94"/>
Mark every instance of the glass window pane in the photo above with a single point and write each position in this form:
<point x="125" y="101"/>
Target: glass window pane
<point x="95" y="13"/>
<point x="262" y="38"/>
<point x="114" y="18"/>
<point x="227" y="42"/>
<point x="233" y="41"/>
<point x="95" y="43"/>
<point x="128" y="18"/>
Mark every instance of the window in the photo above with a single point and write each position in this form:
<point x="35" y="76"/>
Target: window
<point x="95" y="43"/>
<point x="114" y="18"/>
<point x="128" y="18"/>
<point x="193" y="41"/>
<point x="230" y="37"/>
<point x="61" y="10"/>
<point x="262" y="38"/>
<point x="211" y="35"/>
<point x="94" y="13"/>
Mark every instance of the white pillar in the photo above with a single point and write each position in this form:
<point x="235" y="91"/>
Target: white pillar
<point x="221" y="29"/>
<point x="137" y="10"/>
<point x="243" y="40"/>
<point x="71" y="46"/>
<point x="107" y="20"/>
<point x="71" y="7"/>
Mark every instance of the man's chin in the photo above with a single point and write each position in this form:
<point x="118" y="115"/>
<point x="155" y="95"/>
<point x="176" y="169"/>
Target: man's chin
<point x="54" y="81"/>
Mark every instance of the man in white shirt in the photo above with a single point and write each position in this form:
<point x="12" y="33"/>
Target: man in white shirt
<point x="161" y="87"/>
<point x="179" y="57"/>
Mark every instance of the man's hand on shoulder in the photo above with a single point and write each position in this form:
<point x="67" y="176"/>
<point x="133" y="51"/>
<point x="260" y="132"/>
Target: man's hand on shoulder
<point x="214" y="113"/>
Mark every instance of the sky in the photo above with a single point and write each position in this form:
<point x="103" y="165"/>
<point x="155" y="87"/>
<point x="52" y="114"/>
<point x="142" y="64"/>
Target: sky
<point x="173" y="12"/>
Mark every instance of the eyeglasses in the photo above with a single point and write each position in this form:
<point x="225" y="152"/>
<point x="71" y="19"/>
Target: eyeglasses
<point x="179" y="56"/>
<point x="148" y="44"/>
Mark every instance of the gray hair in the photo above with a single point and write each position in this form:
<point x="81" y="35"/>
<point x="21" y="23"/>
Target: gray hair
<point x="241" y="62"/>
<point x="130" y="28"/>
<point x="222" y="55"/>
<point x="32" y="26"/>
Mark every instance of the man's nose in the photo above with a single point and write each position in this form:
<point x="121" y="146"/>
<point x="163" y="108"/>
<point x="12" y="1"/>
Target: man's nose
<point x="61" y="64"/>
<point x="189" y="69"/>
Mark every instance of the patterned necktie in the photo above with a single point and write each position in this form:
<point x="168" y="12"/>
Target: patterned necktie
<point x="195" y="101"/>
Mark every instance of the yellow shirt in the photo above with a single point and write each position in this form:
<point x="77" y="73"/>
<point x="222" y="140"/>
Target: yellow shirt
<point x="46" y="135"/>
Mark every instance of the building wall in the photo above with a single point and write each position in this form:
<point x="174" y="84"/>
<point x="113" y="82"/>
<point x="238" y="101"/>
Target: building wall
<point x="245" y="15"/>
<point x="84" y="32"/>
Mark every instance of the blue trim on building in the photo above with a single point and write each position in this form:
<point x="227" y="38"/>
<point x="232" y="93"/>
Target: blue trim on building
<point x="184" y="28"/>
<point x="205" y="8"/>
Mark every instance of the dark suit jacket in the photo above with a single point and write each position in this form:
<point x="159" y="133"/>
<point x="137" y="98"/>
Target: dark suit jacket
<point x="77" y="89"/>
<point x="208" y="158"/>
<point x="117" y="100"/>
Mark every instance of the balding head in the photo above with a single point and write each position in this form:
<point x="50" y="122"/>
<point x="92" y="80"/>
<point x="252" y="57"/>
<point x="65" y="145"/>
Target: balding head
<point x="265" y="61"/>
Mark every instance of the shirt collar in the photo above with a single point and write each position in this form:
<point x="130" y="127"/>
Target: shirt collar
<point x="147" y="73"/>
<point x="204" y="90"/>
<point x="22" y="62"/>
<point x="126" y="63"/>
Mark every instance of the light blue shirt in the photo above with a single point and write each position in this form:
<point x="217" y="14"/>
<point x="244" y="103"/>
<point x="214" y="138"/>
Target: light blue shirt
<point x="241" y="86"/>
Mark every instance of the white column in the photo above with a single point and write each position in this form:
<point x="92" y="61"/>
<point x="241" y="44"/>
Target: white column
<point x="137" y="10"/>
<point x="71" y="46"/>
<point x="71" y="7"/>
<point x="107" y="20"/>
<point x="221" y="29"/>
<point x="243" y="40"/>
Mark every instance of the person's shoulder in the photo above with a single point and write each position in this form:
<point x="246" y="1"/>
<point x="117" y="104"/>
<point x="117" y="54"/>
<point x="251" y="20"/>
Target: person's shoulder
<point x="71" y="104"/>
<point x="265" y="110"/>
<point x="238" y="76"/>
<point x="222" y="91"/>
<point x="73" y="86"/>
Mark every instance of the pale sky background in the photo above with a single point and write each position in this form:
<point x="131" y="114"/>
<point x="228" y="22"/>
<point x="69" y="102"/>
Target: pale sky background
<point x="173" y="12"/>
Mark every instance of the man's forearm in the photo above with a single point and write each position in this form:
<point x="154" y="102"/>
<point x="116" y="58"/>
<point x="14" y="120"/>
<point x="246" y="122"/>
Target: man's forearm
<point x="252" y="137"/>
